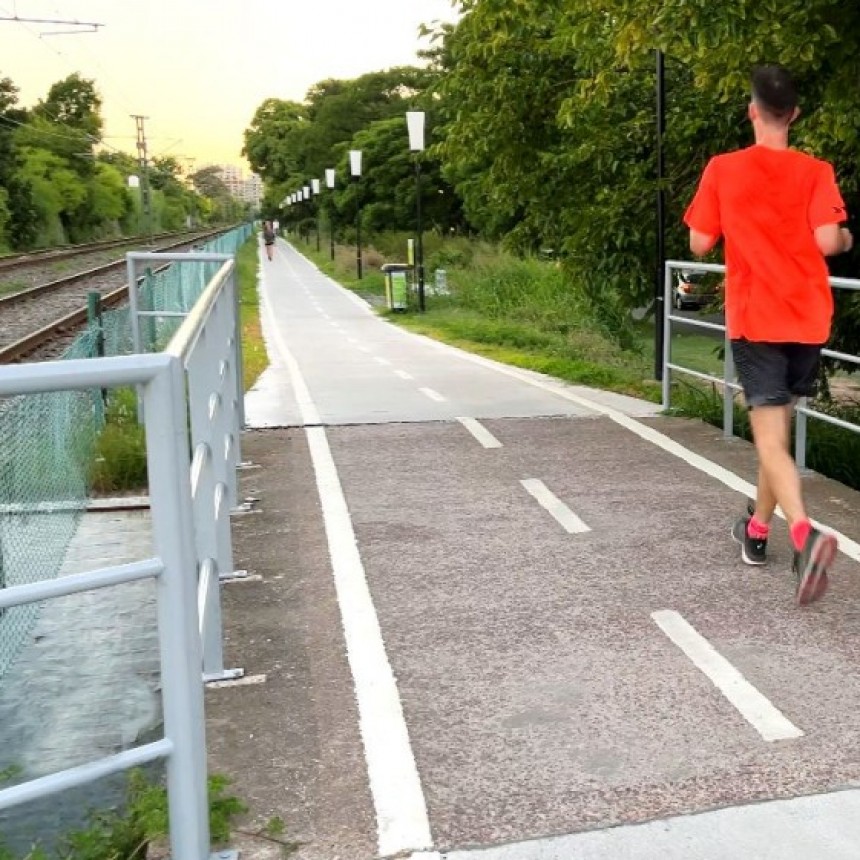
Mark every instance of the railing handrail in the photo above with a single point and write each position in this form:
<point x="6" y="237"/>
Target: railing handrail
<point x="191" y="530"/>
<point x="730" y="387"/>
<point x="161" y="380"/>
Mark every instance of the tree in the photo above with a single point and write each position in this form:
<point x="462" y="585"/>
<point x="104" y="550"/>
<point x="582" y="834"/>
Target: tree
<point x="268" y="138"/>
<point x="20" y="215"/>
<point x="74" y="102"/>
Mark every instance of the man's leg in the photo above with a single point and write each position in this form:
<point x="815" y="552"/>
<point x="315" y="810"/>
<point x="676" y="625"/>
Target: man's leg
<point x="766" y="501"/>
<point x="779" y="480"/>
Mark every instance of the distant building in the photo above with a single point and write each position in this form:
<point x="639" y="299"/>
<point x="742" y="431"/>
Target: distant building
<point x="248" y="189"/>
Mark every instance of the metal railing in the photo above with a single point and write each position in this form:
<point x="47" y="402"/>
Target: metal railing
<point x="193" y="391"/>
<point x="728" y="380"/>
<point x="161" y="381"/>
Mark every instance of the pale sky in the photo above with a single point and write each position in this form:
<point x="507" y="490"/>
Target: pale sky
<point x="198" y="69"/>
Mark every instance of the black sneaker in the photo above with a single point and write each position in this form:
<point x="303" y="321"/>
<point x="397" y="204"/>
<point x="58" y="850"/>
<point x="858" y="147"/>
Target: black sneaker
<point x="753" y="550"/>
<point x="811" y="564"/>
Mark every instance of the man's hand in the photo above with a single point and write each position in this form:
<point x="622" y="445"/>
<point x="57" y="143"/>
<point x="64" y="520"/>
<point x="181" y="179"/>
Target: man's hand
<point x="833" y="239"/>
<point x="701" y="243"/>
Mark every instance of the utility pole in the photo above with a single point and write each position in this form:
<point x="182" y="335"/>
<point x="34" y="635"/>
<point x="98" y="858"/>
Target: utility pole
<point x="143" y="159"/>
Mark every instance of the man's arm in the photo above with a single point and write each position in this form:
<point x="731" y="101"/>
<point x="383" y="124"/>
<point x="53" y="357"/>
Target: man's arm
<point x="701" y="243"/>
<point x="832" y="239"/>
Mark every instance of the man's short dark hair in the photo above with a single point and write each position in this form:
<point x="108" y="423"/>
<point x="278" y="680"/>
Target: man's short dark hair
<point x="773" y="90"/>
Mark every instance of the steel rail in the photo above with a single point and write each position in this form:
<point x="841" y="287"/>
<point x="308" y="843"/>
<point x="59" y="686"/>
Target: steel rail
<point x="48" y="255"/>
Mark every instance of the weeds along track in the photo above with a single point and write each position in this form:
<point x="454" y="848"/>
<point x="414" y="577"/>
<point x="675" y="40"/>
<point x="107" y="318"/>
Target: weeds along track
<point x="38" y="322"/>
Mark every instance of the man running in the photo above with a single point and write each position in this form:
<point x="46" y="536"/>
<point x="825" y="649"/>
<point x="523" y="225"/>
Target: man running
<point x="779" y="212"/>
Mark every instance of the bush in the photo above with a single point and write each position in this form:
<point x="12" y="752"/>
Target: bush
<point x="120" y="460"/>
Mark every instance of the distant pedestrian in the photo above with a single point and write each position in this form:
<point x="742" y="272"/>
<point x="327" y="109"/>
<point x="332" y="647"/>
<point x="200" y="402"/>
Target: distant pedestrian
<point x="779" y="212"/>
<point x="269" y="238"/>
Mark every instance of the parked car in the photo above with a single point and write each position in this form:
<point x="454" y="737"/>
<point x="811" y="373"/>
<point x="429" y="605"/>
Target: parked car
<point x="693" y="290"/>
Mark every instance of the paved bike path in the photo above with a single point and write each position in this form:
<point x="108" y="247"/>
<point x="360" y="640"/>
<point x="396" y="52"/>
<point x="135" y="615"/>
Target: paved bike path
<point x="557" y="601"/>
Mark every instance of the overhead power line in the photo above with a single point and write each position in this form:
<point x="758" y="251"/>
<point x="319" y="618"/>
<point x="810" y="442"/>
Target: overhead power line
<point x="91" y="26"/>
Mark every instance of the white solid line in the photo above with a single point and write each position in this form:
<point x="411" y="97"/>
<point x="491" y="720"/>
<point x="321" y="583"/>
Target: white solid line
<point x="562" y="514"/>
<point x="307" y="408"/>
<point x="754" y="707"/>
<point x="433" y="395"/>
<point x="401" y="811"/>
<point x="480" y="433"/>
<point x="380" y="360"/>
<point x="404" y="375"/>
<point x="403" y="824"/>
<point x="849" y="547"/>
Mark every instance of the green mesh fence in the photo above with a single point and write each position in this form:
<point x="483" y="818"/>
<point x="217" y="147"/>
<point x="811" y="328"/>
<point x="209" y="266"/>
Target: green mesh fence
<point x="48" y="441"/>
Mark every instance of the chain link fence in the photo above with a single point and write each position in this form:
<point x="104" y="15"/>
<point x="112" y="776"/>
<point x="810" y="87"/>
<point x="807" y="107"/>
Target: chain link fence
<point x="47" y="441"/>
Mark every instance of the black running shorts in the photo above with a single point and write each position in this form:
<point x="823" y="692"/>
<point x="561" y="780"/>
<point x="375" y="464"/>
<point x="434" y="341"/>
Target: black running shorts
<point x="774" y="374"/>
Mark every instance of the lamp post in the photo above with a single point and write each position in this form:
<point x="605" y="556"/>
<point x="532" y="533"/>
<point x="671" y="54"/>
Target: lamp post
<point x="660" y="308"/>
<point x="415" y="126"/>
<point x="329" y="183"/>
<point x="315" y="188"/>
<point x="355" y="170"/>
<point x="306" y="195"/>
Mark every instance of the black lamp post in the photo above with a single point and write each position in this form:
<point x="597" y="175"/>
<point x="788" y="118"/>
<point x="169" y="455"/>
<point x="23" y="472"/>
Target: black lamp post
<point x="415" y="125"/>
<point x="329" y="183"/>
<point x="660" y="309"/>
<point x="306" y="195"/>
<point x="355" y="170"/>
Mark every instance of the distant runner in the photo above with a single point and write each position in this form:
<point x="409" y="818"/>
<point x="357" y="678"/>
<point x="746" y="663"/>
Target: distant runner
<point x="779" y="212"/>
<point x="269" y="238"/>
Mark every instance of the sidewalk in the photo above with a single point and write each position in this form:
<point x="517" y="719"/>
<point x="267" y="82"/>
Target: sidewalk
<point x="464" y="573"/>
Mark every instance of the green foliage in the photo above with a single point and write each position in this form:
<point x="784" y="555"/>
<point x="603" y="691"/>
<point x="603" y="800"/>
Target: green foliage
<point x="127" y="833"/>
<point x="120" y="461"/>
<point x="288" y="143"/>
<point x="255" y="358"/>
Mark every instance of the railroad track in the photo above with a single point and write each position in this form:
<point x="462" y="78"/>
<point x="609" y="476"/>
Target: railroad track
<point x="9" y="262"/>
<point x="38" y="322"/>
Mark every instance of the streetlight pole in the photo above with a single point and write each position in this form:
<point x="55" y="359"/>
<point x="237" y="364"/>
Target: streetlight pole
<point x="660" y="309"/>
<point x="355" y="170"/>
<point x="415" y="126"/>
<point x="306" y="195"/>
<point x="329" y="183"/>
<point x="315" y="187"/>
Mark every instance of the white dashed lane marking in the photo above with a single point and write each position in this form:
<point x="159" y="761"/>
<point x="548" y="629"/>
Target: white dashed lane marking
<point x="754" y="707"/>
<point x="480" y="433"/>
<point x="559" y="511"/>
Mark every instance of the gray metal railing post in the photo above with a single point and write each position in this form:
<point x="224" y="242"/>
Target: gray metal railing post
<point x="728" y="391"/>
<point x="667" y="337"/>
<point x="181" y="659"/>
<point x="800" y="420"/>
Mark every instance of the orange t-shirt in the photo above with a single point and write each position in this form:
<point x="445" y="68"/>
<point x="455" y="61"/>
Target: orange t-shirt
<point x="766" y="203"/>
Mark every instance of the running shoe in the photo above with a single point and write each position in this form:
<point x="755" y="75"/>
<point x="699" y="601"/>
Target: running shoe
<point x="811" y="564"/>
<point x="753" y="550"/>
